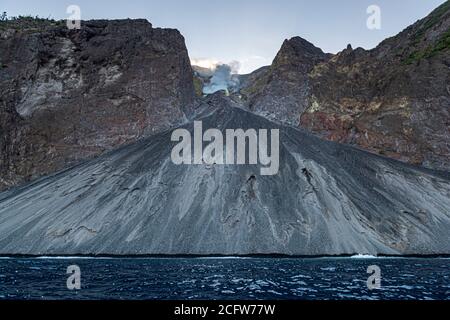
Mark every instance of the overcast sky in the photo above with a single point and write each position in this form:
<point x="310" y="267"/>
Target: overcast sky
<point x="248" y="31"/>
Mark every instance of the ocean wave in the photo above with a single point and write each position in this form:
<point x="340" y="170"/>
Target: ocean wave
<point x="70" y="258"/>
<point x="363" y="256"/>
<point x="222" y="258"/>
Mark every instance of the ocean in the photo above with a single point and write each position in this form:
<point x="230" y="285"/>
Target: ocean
<point x="225" y="278"/>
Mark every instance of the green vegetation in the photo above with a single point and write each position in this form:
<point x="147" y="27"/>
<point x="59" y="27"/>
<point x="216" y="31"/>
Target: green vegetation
<point x="27" y="23"/>
<point x="441" y="45"/>
<point x="257" y="86"/>
<point x="414" y="57"/>
<point x="431" y="50"/>
<point x="198" y="86"/>
<point x="433" y="19"/>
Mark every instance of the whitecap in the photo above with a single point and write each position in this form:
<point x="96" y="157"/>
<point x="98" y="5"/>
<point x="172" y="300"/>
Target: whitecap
<point x="328" y="269"/>
<point x="228" y="291"/>
<point x="274" y="292"/>
<point x="71" y="258"/>
<point x="363" y="256"/>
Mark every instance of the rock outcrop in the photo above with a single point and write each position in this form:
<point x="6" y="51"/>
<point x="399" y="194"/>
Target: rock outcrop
<point x="68" y="95"/>
<point x="326" y="199"/>
<point x="282" y="91"/>
<point x="393" y="100"/>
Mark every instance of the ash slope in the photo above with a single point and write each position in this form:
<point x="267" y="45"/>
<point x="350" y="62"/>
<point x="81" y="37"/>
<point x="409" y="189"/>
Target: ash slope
<point x="326" y="199"/>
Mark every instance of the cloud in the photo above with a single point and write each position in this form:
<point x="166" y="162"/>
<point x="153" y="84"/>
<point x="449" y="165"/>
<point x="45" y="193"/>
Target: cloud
<point x="205" y="63"/>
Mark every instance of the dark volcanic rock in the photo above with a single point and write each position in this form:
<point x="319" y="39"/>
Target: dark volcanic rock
<point x="393" y="100"/>
<point x="326" y="199"/>
<point x="281" y="92"/>
<point x="70" y="95"/>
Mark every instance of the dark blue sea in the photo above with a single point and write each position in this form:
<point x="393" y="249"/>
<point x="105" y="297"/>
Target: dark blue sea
<point x="225" y="278"/>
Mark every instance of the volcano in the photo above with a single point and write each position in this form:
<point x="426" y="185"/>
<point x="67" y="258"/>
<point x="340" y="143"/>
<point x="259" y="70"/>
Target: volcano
<point x="327" y="199"/>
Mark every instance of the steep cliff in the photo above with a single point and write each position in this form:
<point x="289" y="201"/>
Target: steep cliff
<point x="393" y="100"/>
<point x="68" y="95"/>
<point x="282" y="91"/>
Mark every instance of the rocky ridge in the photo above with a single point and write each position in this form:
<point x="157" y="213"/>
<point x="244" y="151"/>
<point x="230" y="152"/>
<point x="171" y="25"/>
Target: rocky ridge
<point x="68" y="95"/>
<point x="393" y="100"/>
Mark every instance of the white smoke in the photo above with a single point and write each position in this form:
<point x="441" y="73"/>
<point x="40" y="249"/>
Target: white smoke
<point x="225" y="77"/>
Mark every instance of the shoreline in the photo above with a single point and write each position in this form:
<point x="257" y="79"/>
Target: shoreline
<point x="219" y="256"/>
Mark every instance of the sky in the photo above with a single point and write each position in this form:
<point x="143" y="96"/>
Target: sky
<point x="247" y="31"/>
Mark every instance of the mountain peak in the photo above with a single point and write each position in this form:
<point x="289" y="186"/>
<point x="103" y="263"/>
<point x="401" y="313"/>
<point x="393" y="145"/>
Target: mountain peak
<point x="300" y="52"/>
<point x="301" y="47"/>
<point x="390" y="100"/>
